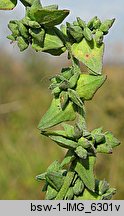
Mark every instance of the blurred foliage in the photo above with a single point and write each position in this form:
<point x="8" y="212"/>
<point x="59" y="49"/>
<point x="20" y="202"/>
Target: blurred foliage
<point x="24" y="153"/>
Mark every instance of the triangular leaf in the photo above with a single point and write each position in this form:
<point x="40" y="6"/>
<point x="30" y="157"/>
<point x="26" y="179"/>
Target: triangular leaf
<point x="7" y="4"/>
<point x="64" y="142"/>
<point x="90" y="54"/>
<point x="47" y="17"/>
<point x="87" y="85"/>
<point x="55" y="179"/>
<point x="51" y="193"/>
<point x="56" y="115"/>
<point x="84" y="168"/>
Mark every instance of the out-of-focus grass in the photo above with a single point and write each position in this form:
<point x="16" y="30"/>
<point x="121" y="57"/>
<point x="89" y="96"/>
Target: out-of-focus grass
<point x="24" y="153"/>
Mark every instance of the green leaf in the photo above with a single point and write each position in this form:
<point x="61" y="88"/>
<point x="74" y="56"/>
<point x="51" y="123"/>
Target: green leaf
<point x="27" y="2"/>
<point x="109" y="144"/>
<point x="22" y="43"/>
<point x="7" y="4"/>
<point x="87" y="85"/>
<point x="67" y="72"/>
<point x="75" y="32"/>
<point x="87" y="34"/>
<point x="51" y="193"/>
<point x="54" y="133"/>
<point x="73" y="80"/>
<point x="104" y="148"/>
<point x="23" y="30"/>
<point x="41" y="176"/>
<point x="106" y="25"/>
<point x="90" y="54"/>
<point x="69" y="129"/>
<point x="69" y="157"/>
<point x="13" y="26"/>
<point x="52" y="41"/>
<point x="55" y="166"/>
<point x="88" y="195"/>
<point x="84" y="168"/>
<point x="81" y="152"/>
<point x="28" y="22"/>
<point x="73" y="95"/>
<point x="56" y="52"/>
<point x="56" y="115"/>
<point x="55" y="179"/>
<point x="109" y="194"/>
<point x="110" y="139"/>
<point x="64" y="142"/>
<point x="38" y="34"/>
<point x="51" y="7"/>
<point x="69" y="195"/>
<point x="47" y="17"/>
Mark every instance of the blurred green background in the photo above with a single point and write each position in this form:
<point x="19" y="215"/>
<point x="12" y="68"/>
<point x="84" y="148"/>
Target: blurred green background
<point x="24" y="98"/>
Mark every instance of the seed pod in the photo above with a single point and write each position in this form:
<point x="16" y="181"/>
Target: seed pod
<point x="63" y="99"/>
<point x="106" y="25"/>
<point x="103" y="187"/>
<point x="99" y="37"/>
<point x="13" y="26"/>
<point x="69" y="195"/>
<point x="81" y="152"/>
<point x="73" y="80"/>
<point x="81" y="23"/>
<point x="96" y="23"/>
<point x="108" y="195"/>
<point x="64" y="85"/>
<point x="22" y="43"/>
<point x="75" y="98"/>
<point x="78" y="187"/>
<point x="78" y="131"/>
<point x="90" y="23"/>
<point x="87" y="34"/>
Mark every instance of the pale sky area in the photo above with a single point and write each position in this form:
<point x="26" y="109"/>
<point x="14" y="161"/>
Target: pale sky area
<point x="85" y="9"/>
